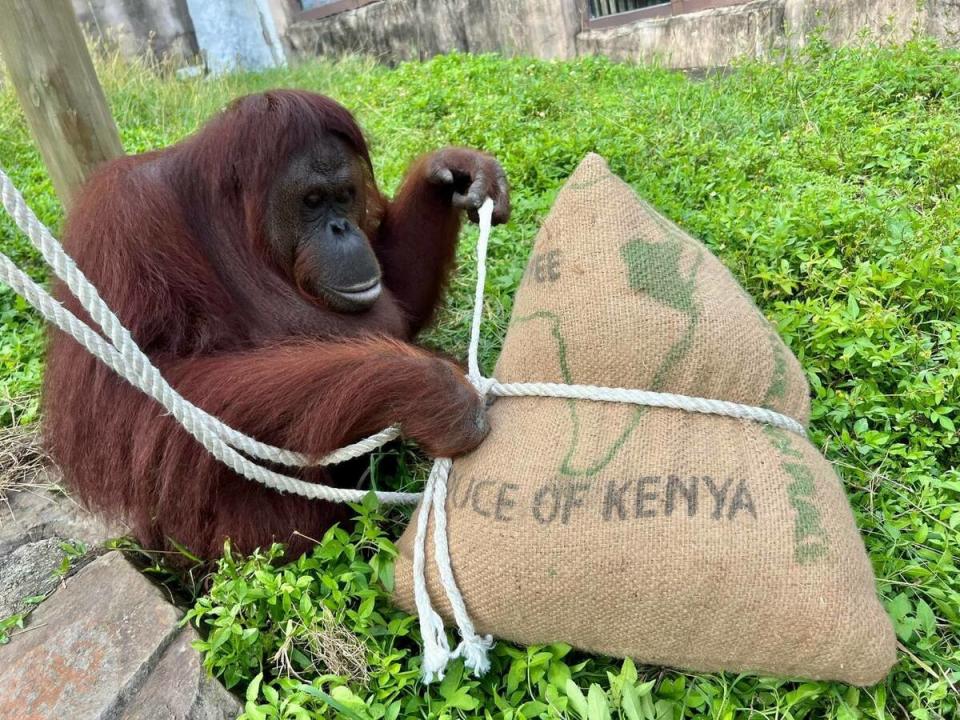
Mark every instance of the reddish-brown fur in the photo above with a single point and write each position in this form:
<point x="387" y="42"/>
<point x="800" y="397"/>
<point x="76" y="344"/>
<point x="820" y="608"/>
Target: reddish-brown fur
<point x="174" y="241"/>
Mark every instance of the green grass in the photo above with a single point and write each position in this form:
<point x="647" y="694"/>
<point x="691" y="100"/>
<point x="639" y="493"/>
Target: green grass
<point x="828" y="184"/>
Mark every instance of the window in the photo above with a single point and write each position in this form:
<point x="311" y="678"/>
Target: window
<point x="610" y="13"/>
<point x="316" y="9"/>
<point x="606" y="8"/>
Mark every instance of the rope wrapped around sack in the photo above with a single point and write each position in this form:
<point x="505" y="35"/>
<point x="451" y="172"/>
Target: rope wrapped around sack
<point x="240" y="453"/>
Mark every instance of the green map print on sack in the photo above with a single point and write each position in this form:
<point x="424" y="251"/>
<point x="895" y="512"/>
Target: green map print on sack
<point x="809" y="536"/>
<point x="811" y="541"/>
<point x="653" y="268"/>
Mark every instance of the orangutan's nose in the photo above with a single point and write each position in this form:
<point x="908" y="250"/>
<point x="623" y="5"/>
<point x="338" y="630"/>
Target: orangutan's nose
<point x="338" y="227"/>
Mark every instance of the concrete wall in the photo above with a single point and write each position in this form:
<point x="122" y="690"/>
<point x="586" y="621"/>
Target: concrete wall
<point x="943" y="21"/>
<point x="394" y="30"/>
<point x="258" y="33"/>
<point x="891" y="20"/>
<point x="694" y="40"/>
<point x="765" y="27"/>
<point x="139" y="27"/>
<point x="228" y="34"/>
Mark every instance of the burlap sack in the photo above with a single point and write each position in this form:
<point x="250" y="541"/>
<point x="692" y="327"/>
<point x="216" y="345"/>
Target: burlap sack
<point x="695" y="541"/>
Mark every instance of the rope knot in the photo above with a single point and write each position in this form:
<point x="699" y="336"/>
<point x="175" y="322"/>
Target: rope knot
<point x="473" y="650"/>
<point x="482" y="384"/>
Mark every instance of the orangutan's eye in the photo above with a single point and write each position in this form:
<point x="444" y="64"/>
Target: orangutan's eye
<point x="346" y="195"/>
<point x="313" y="199"/>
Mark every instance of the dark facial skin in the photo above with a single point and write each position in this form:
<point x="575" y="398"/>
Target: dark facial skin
<point x="314" y="216"/>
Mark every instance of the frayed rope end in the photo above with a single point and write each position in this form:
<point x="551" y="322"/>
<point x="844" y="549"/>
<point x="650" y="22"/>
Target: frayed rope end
<point x="474" y="651"/>
<point x="436" y="648"/>
<point x="435" y="659"/>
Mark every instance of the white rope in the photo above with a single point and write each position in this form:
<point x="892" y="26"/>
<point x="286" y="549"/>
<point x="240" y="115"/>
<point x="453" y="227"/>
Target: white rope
<point x="472" y="648"/>
<point x="649" y="398"/>
<point x="436" y="649"/>
<point x="120" y="352"/>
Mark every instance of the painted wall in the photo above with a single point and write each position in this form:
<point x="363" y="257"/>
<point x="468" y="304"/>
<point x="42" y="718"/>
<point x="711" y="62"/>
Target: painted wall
<point x="236" y="34"/>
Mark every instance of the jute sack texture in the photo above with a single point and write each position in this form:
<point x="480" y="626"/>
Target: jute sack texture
<point x="695" y="541"/>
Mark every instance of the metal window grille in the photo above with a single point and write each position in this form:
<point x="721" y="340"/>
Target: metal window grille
<point x="604" y="8"/>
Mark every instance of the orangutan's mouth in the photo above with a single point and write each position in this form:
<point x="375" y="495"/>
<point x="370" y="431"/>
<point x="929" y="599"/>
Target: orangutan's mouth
<point x="355" y="298"/>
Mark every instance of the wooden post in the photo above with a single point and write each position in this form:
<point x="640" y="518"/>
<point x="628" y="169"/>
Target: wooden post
<point x="47" y="59"/>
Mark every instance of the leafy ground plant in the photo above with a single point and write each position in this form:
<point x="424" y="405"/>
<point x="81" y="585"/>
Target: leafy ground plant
<point x="828" y="183"/>
<point x="260" y="621"/>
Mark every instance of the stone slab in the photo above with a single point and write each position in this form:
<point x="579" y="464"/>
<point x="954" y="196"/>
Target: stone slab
<point x="30" y="570"/>
<point x="35" y="519"/>
<point x="33" y="513"/>
<point x="180" y="689"/>
<point x="107" y="645"/>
